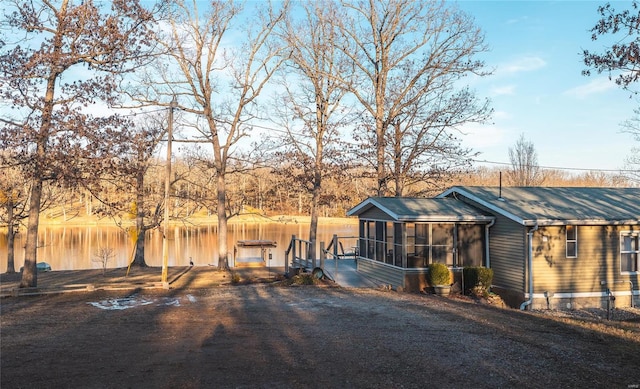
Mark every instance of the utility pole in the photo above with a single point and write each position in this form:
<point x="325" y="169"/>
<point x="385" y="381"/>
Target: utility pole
<point x="167" y="185"/>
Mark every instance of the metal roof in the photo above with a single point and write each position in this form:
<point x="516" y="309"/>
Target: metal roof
<point x="422" y="209"/>
<point x="556" y="205"/>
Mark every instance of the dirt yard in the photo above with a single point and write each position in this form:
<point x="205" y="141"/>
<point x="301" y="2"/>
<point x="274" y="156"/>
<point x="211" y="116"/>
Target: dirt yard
<point x="260" y="335"/>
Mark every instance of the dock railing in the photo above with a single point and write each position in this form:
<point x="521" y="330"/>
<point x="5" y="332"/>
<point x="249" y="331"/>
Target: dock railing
<point x="301" y="256"/>
<point x="299" y="251"/>
<point x="336" y="247"/>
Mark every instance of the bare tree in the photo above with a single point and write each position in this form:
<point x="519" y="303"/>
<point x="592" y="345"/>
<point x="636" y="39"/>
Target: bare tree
<point x="13" y="208"/>
<point x="311" y="109"/>
<point x="130" y="178"/>
<point x="410" y="56"/>
<point x="102" y="256"/>
<point x="632" y="161"/>
<point x="56" y="60"/>
<point x="423" y="152"/>
<point x="621" y="61"/>
<point x="525" y="170"/>
<point x="220" y="73"/>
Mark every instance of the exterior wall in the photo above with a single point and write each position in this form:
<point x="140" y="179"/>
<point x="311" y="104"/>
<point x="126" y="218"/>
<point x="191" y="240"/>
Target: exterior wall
<point x="582" y="281"/>
<point x="507" y="252"/>
<point x="374" y="214"/>
<point x="382" y="272"/>
<point x="508" y="256"/>
<point x="404" y="280"/>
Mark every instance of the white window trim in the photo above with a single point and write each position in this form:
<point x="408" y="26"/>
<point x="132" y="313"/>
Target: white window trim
<point x="566" y="242"/>
<point x="636" y="251"/>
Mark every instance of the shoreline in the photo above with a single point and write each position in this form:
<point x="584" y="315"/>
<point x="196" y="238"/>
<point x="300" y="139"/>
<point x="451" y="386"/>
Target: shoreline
<point x="212" y="220"/>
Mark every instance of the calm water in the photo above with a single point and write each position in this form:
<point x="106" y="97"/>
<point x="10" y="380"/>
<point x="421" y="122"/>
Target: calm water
<point x="74" y="248"/>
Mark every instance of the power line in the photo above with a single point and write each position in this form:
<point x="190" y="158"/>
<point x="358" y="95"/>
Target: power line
<point x="562" y="168"/>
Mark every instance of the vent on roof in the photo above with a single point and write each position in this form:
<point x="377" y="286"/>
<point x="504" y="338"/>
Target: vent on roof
<point x="500" y="190"/>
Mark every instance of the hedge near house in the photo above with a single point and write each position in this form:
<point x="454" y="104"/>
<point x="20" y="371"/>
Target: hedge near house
<point x="477" y="279"/>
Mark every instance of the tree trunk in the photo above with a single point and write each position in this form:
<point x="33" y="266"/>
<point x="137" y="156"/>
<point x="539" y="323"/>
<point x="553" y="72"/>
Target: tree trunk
<point x="29" y="272"/>
<point x="380" y="148"/>
<point x="140" y="229"/>
<point x="223" y="256"/>
<point x="313" y="227"/>
<point x="11" y="268"/>
<point x="139" y="256"/>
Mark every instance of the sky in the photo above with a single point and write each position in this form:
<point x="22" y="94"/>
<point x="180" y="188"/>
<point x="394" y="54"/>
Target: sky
<point x="538" y="91"/>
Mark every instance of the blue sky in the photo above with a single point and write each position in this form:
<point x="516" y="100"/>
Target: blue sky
<point x="538" y="90"/>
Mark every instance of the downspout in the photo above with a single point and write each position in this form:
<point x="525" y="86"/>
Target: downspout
<point x="530" y="267"/>
<point x="486" y="242"/>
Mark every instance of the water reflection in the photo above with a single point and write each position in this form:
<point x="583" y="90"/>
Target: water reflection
<point x="74" y="248"/>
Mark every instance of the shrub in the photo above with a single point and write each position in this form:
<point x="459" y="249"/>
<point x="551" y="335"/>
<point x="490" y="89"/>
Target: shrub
<point x="477" y="279"/>
<point x="439" y="274"/>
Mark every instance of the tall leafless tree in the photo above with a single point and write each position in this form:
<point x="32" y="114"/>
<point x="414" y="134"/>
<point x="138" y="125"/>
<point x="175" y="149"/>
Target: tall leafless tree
<point x="311" y="110"/>
<point x="56" y="60"/>
<point x="130" y="179"/>
<point x="525" y="170"/>
<point x="621" y="61"/>
<point x="220" y="61"/>
<point x="408" y="56"/>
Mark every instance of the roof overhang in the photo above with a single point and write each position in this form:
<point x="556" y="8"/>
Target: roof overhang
<point x="454" y="191"/>
<point x="427" y="216"/>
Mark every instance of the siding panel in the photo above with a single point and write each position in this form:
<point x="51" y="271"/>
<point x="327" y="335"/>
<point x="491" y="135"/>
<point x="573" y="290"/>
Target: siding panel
<point x="381" y="272"/>
<point x="375" y="214"/>
<point x="598" y="260"/>
<point x="507" y="251"/>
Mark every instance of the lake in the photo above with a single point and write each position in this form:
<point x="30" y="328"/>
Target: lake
<point x="75" y="248"/>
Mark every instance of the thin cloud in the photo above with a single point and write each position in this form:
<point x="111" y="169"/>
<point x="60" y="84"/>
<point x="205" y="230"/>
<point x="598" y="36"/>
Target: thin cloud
<point x="483" y="136"/>
<point x="523" y="64"/>
<point x="594" y="87"/>
<point x="505" y="90"/>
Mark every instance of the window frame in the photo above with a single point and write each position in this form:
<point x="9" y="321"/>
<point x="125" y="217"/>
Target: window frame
<point x="632" y="234"/>
<point x="573" y="241"/>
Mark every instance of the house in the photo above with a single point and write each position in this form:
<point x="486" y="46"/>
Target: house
<point x="548" y="247"/>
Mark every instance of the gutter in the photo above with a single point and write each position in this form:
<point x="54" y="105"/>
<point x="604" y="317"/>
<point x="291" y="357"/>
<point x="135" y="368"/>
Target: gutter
<point x="530" y="268"/>
<point x="486" y="242"/>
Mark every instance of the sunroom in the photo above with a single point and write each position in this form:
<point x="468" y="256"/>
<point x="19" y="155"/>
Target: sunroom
<point x="399" y="237"/>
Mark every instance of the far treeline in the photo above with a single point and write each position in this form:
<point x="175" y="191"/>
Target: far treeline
<point x="302" y="107"/>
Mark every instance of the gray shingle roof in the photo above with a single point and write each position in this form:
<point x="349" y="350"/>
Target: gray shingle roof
<point x="422" y="209"/>
<point x="560" y="205"/>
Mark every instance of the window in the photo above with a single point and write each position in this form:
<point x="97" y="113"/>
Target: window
<point x="629" y="252"/>
<point x="442" y="243"/>
<point x="572" y="242"/>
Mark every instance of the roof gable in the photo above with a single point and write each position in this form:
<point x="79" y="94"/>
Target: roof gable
<point x="421" y="209"/>
<point x="556" y="205"/>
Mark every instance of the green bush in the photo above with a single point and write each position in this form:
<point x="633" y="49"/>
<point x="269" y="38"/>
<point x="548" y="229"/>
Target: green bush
<point x="477" y="279"/>
<point x="439" y="274"/>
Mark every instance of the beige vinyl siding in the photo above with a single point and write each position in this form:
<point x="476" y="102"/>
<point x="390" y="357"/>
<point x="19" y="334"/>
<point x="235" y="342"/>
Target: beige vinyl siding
<point x="598" y="260"/>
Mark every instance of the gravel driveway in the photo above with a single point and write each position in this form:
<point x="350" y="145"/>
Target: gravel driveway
<point x="266" y="336"/>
